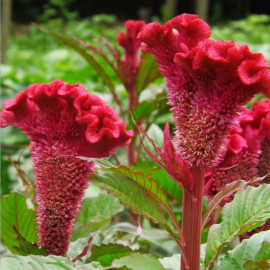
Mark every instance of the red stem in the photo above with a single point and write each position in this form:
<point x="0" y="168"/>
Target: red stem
<point x="192" y="220"/>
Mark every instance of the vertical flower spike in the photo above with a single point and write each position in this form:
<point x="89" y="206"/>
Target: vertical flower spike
<point x="131" y="62"/>
<point x="208" y="82"/>
<point x="248" y="154"/>
<point x="62" y="122"/>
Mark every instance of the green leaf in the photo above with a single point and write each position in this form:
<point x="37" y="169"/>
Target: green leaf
<point x="142" y="111"/>
<point x="159" y="174"/>
<point x="146" y="182"/>
<point x="14" y="213"/>
<point x="226" y="191"/>
<point x="249" y="209"/>
<point x="256" y="248"/>
<point x="148" y="72"/>
<point x="106" y="253"/>
<point x="171" y="263"/>
<point x="137" y="261"/>
<point x="135" y="190"/>
<point x="88" y="57"/>
<point x="33" y="262"/>
<point x="95" y="214"/>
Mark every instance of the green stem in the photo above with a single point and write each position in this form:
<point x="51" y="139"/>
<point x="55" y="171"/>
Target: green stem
<point x="192" y="220"/>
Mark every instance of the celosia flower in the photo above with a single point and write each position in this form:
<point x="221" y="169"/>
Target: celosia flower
<point x="62" y="122"/>
<point x="248" y="153"/>
<point x="208" y="82"/>
<point x="131" y="61"/>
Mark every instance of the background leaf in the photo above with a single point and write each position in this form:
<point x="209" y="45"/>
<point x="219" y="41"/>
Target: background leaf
<point x="171" y="263"/>
<point x="36" y="262"/>
<point x="87" y="56"/>
<point x="256" y="248"/>
<point x="95" y="214"/>
<point x="249" y="209"/>
<point x="148" y="72"/>
<point x="106" y="253"/>
<point x="138" y="261"/>
<point x="14" y="213"/>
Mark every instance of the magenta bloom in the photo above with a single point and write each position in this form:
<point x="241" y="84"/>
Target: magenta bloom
<point x="131" y="61"/>
<point x="208" y="83"/>
<point x="63" y="122"/>
<point x="248" y="154"/>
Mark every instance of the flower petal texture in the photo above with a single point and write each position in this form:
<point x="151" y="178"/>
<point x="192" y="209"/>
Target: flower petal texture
<point x="63" y="122"/>
<point x="208" y="84"/>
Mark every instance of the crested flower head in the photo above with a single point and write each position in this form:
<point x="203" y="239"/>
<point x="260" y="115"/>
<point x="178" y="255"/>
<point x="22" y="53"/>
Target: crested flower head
<point x="63" y="122"/>
<point x="208" y="83"/>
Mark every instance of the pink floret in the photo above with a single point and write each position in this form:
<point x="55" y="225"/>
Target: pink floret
<point x="131" y="45"/>
<point x="208" y="84"/>
<point x="63" y="122"/>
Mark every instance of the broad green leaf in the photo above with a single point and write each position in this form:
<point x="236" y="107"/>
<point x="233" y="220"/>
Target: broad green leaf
<point x="228" y="190"/>
<point x="106" y="253"/>
<point x="249" y="209"/>
<point x="33" y="262"/>
<point x="148" y="72"/>
<point x="146" y="182"/>
<point x="14" y="213"/>
<point x="137" y="261"/>
<point x="169" y="185"/>
<point x="256" y="248"/>
<point x="136" y="191"/>
<point x="95" y="214"/>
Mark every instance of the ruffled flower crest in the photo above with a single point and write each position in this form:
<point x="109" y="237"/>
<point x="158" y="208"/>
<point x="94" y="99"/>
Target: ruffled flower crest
<point x="63" y="122"/>
<point x="208" y="82"/>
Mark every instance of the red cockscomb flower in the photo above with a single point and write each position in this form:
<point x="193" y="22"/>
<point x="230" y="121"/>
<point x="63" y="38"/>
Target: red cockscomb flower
<point x="62" y="122"/>
<point x="208" y="82"/>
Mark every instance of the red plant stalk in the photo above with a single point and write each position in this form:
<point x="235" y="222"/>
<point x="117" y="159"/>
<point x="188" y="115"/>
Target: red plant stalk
<point x="192" y="219"/>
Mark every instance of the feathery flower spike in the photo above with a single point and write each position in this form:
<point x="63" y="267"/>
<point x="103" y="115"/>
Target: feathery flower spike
<point x="62" y="122"/>
<point x="208" y="84"/>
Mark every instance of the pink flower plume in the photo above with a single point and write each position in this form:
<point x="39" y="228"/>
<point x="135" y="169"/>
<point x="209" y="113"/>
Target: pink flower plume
<point x="131" y="45"/>
<point x="208" y="83"/>
<point x="63" y="122"/>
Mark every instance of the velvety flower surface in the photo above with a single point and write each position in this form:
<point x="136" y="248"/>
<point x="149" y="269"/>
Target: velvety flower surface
<point x="248" y="154"/>
<point x="131" y="45"/>
<point x="63" y="122"/>
<point x="208" y="83"/>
